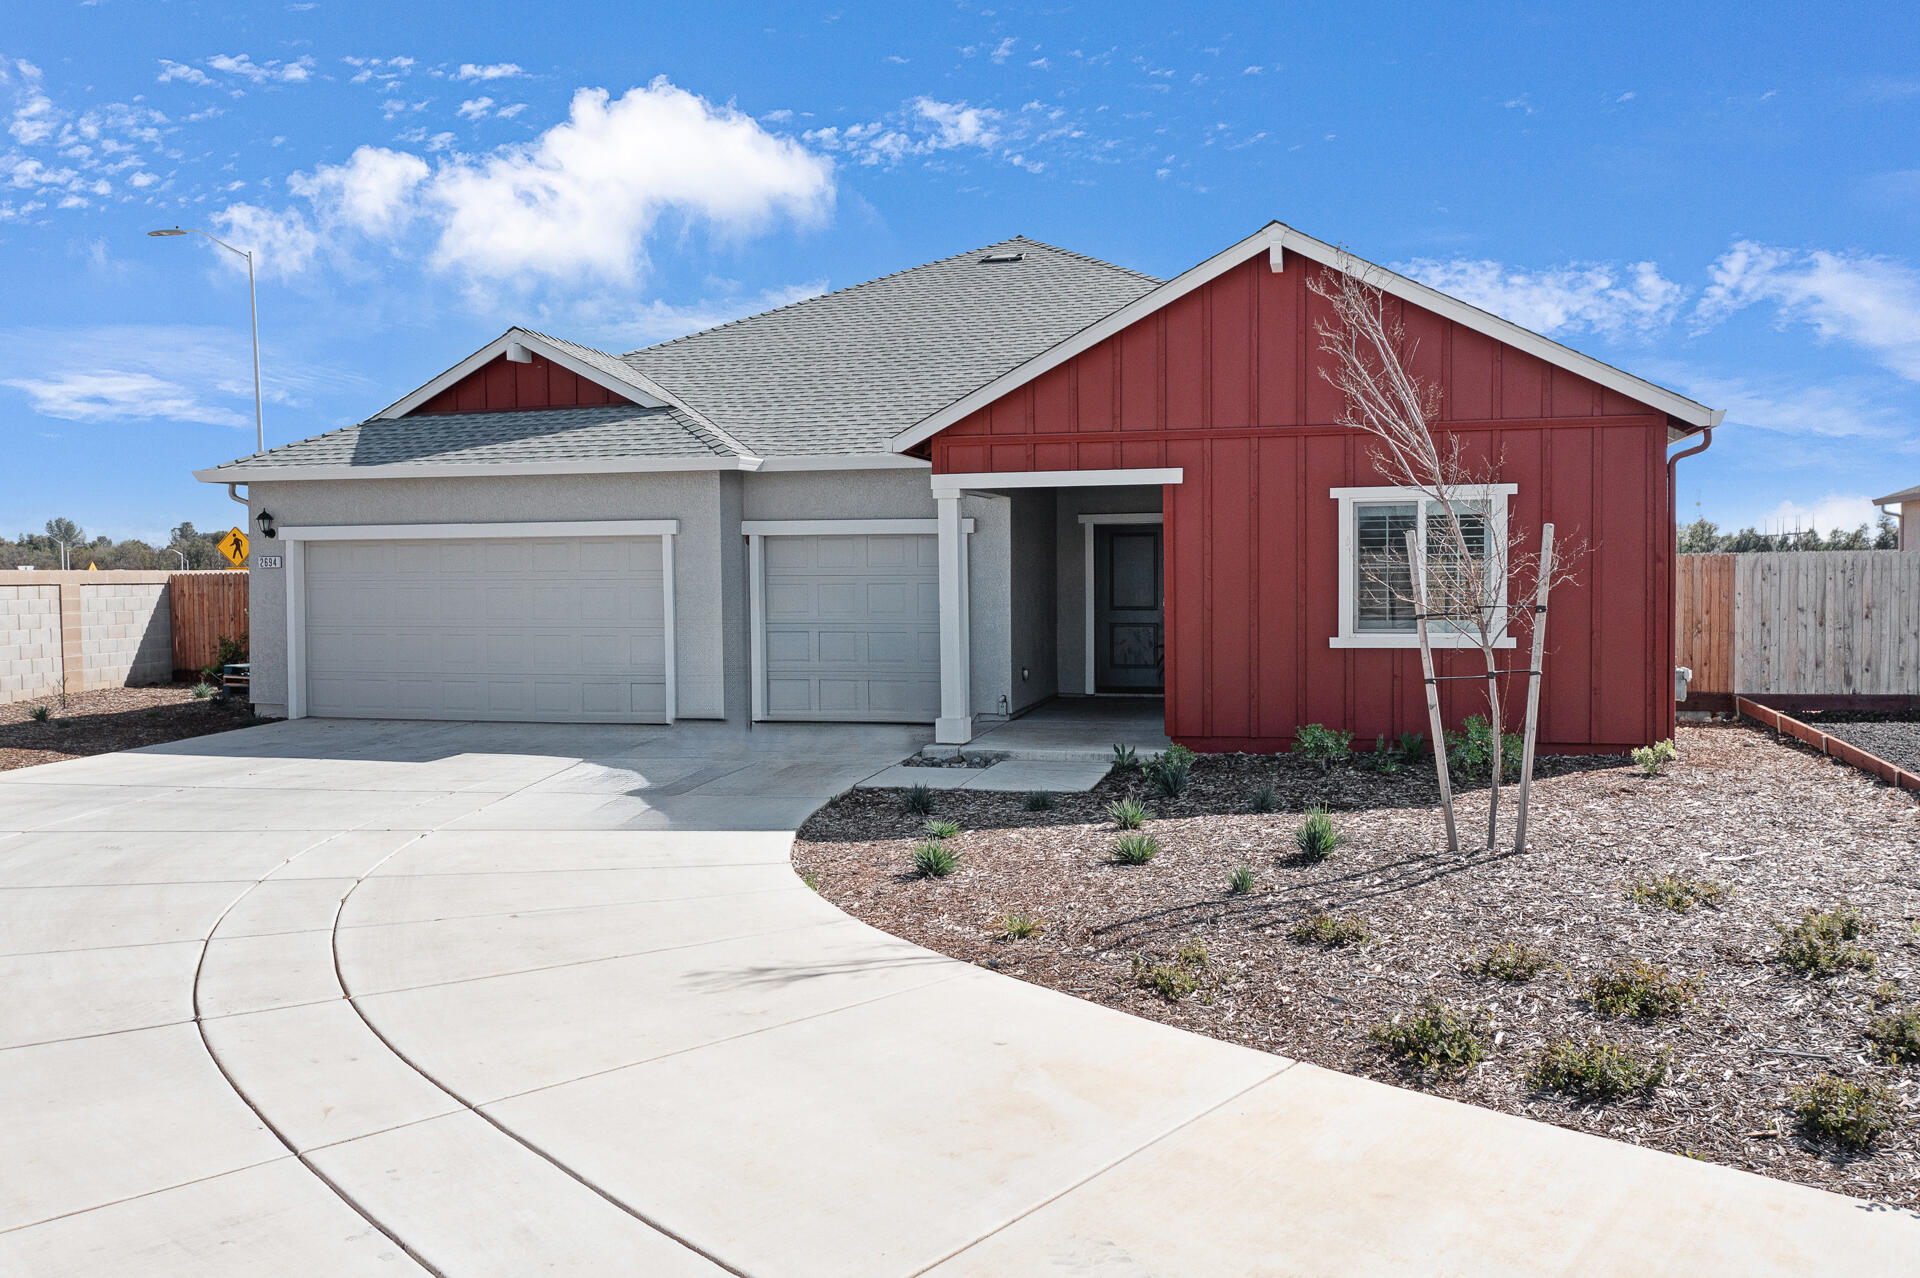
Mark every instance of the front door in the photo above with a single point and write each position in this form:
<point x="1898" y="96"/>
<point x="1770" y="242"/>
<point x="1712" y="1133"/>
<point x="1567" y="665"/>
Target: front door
<point x="1128" y="604"/>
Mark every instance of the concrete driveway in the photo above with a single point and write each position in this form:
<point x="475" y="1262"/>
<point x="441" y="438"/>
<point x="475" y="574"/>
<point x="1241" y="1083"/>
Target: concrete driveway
<point x="340" y="998"/>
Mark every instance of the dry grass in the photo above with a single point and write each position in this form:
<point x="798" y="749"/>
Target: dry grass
<point x="1783" y="828"/>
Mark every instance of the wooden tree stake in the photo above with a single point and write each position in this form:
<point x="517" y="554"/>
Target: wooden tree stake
<point x="1419" y="566"/>
<point x="1533" y="683"/>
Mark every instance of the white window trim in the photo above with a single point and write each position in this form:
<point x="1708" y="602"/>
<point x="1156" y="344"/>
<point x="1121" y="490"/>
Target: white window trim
<point x="994" y="481"/>
<point x="1348" y="498"/>
<point x="1087" y="523"/>
<point x="756" y="530"/>
<point x="296" y="539"/>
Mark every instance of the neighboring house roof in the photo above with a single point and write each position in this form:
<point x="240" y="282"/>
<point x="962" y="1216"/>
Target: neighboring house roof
<point x="1276" y="240"/>
<point x="1905" y="494"/>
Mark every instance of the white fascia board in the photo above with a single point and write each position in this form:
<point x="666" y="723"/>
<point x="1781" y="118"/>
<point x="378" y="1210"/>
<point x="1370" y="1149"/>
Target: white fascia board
<point x="1144" y="517"/>
<point x="848" y="461"/>
<point x="642" y="390"/>
<point x="473" y="470"/>
<point x="1086" y="339"/>
<point x="953" y="485"/>
<point x="844" y="527"/>
<point x="454" y="532"/>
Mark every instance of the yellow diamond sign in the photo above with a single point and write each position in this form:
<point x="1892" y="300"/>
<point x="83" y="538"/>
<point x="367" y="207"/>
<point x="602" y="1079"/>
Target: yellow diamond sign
<point x="234" y="547"/>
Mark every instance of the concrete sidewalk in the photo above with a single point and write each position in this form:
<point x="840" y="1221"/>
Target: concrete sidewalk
<point x="334" y="997"/>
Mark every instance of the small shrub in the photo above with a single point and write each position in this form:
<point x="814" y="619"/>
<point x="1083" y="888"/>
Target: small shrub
<point x="203" y="690"/>
<point x="1328" y="931"/>
<point x="1262" y="799"/>
<point x="1896" y="1036"/>
<point x="1653" y="759"/>
<point x="1412" y="746"/>
<point x="1170" y="771"/>
<point x="1852" y="1115"/>
<point x="812" y="881"/>
<point x="1639" y="988"/>
<point x="919" y="800"/>
<point x="934" y="859"/>
<point x="1017" y="926"/>
<point x="941" y="828"/>
<point x="1319" y="744"/>
<point x="1128" y="813"/>
<point x="1436" y="1037"/>
<point x="1509" y="961"/>
<point x="1240" y="882"/>
<point x="1597" y="1070"/>
<point x="1385" y="758"/>
<point x="1193" y="954"/>
<point x="228" y="652"/>
<point x="1676" y="892"/>
<point x="1470" y="751"/>
<point x="1316" y="837"/>
<point x="1135" y="847"/>
<point x="1125" y="759"/>
<point x="40" y="714"/>
<point x="1175" y="978"/>
<point x="1040" y="801"/>
<point x="1822" y="942"/>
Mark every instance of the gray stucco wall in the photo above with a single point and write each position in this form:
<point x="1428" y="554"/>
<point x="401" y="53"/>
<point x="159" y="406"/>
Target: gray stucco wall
<point x="1070" y="568"/>
<point x="1033" y="672"/>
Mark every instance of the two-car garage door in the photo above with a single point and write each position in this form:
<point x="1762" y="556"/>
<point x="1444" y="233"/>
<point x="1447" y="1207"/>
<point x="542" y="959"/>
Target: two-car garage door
<point x="541" y="629"/>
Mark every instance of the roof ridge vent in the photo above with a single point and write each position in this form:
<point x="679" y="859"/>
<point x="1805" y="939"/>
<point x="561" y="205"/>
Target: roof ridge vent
<point x="1004" y="256"/>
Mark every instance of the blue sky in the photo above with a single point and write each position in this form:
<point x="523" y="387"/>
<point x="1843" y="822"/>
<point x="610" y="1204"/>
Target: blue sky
<point x="1721" y="198"/>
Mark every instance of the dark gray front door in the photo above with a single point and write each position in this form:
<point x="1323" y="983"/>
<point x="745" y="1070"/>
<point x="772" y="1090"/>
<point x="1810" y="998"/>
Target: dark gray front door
<point x="1127" y="608"/>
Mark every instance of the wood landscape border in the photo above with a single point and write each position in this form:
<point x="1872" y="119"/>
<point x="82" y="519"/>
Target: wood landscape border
<point x="1851" y="755"/>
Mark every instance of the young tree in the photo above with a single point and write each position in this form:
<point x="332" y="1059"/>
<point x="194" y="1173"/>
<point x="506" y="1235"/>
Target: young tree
<point x="1467" y="571"/>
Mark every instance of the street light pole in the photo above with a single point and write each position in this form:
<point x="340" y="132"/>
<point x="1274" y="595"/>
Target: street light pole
<point x="253" y="308"/>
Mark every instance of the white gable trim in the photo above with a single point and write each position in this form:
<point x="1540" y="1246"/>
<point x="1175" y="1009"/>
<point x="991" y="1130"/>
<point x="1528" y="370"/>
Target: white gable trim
<point x="473" y="470"/>
<point x="640" y="389"/>
<point x="1276" y="239"/>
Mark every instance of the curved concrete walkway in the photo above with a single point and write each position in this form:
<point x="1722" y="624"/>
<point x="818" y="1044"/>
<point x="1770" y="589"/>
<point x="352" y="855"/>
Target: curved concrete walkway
<point x="340" y="998"/>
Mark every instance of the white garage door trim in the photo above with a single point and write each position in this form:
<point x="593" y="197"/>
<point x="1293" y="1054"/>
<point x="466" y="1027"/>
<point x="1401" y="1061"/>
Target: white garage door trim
<point x="296" y="573"/>
<point x="757" y="530"/>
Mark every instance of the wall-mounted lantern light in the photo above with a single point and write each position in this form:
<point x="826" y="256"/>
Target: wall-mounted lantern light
<point x="265" y="520"/>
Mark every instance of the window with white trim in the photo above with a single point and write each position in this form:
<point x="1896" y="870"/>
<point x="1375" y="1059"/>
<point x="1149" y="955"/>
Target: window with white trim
<point x="1376" y="580"/>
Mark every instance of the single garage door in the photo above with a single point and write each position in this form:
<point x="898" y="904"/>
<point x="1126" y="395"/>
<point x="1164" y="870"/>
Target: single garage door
<point x="851" y="627"/>
<point x="540" y="629"/>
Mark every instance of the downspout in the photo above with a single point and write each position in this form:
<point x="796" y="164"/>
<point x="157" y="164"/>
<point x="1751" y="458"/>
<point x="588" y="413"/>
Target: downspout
<point x="232" y="489"/>
<point x="1673" y="561"/>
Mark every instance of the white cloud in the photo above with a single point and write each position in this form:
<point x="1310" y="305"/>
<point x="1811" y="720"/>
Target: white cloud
<point x="180" y="71"/>
<point x="282" y="241"/>
<point x="1002" y="51"/>
<point x="475" y="108"/>
<point x="958" y="124"/>
<point x="34" y="118"/>
<point x="1843" y="409"/>
<point x="1835" y="511"/>
<point x="488" y="71"/>
<point x="1579" y="296"/>
<point x="112" y="395"/>
<point x="508" y="112"/>
<point x="925" y="126"/>
<point x="373" y="192"/>
<point x="1867" y="301"/>
<point x="658" y="321"/>
<point x="298" y="71"/>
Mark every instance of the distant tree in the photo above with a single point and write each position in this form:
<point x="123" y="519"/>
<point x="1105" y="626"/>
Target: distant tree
<point x="1701" y="537"/>
<point x="1886" y="533"/>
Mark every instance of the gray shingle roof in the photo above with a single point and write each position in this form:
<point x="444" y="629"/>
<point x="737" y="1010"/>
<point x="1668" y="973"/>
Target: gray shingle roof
<point x="846" y="371"/>
<point x="544" y="435"/>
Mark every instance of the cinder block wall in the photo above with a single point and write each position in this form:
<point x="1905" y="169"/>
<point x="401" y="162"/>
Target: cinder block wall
<point x="82" y="630"/>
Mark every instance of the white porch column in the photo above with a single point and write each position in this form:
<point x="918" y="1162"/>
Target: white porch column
<point x="955" y="724"/>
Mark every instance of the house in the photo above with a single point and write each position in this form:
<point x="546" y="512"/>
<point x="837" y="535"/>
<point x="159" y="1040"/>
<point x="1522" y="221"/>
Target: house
<point x="946" y="496"/>
<point x="1908" y="500"/>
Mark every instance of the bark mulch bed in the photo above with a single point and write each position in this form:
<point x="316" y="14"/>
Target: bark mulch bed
<point x="112" y="719"/>
<point x="1783" y="828"/>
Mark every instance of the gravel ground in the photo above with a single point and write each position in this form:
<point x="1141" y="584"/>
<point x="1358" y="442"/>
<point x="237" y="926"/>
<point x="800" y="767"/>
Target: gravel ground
<point x="1783" y="828"/>
<point x="1893" y="738"/>
<point x="111" y="719"/>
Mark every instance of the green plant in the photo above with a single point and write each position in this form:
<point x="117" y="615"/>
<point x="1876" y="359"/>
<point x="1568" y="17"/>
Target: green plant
<point x="1385" y="758"/>
<point x="933" y="859"/>
<point x="1040" y="801"/>
<point x="1852" y="1115"/>
<point x="1896" y="1036"/>
<point x="1470" y="751"/>
<point x="1240" y="882"/>
<point x="1017" y="926"/>
<point x="1412" y="746"/>
<point x="1170" y="771"/>
<point x="1653" y="759"/>
<point x="1316" y="836"/>
<point x="1193" y="954"/>
<point x="1676" y="892"/>
<point x="40" y="714"/>
<point x="1328" y="931"/>
<point x="1436" y="1037"/>
<point x="1135" y="847"/>
<point x="1509" y="961"/>
<point x="1124" y="758"/>
<point x="228" y="652"/>
<point x="919" y="800"/>
<point x="1822" y="942"/>
<point x="1262" y="799"/>
<point x="1635" y="987"/>
<point x="1319" y="744"/>
<point x="203" y="690"/>
<point x="812" y="881"/>
<point x="1596" y="1070"/>
<point x="1128" y="813"/>
<point x="941" y="828"/>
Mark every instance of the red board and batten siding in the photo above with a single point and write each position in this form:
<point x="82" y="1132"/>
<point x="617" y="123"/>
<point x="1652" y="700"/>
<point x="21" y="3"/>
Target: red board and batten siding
<point x="1222" y="383"/>
<point x="502" y="386"/>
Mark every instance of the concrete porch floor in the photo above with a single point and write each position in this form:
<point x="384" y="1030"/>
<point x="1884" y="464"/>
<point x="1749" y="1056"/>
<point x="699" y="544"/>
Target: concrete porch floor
<point x="1077" y="728"/>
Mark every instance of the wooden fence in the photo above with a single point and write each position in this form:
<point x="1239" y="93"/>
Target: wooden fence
<point x="205" y="606"/>
<point x="1825" y="626"/>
